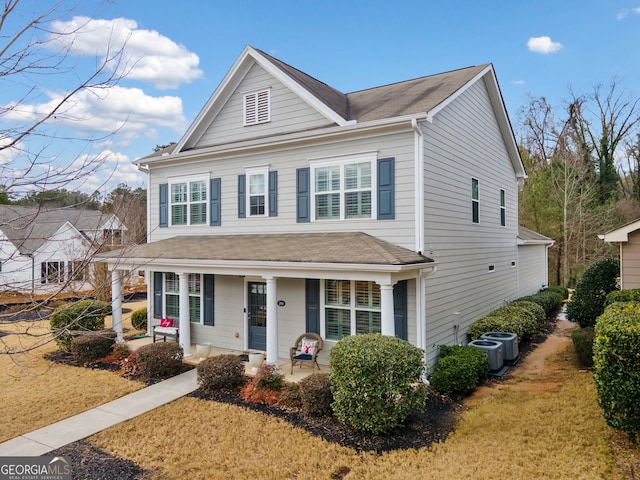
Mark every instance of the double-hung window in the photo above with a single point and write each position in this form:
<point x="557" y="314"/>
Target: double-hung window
<point x="188" y="201"/>
<point x="172" y="295"/>
<point x="351" y="307"/>
<point x="344" y="188"/>
<point x="195" y="292"/>
<point x="257" y="191"/>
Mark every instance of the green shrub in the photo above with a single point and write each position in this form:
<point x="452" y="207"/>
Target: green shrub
<point x="583" y="343"/>
<point x="139" y="319"/>
<point x="221" y="372"/>
<point x="623" y="296"/>
<point x="269" y="377"/>
<point x="549" y="300"/>
<point x="616" y="367"/>
<point x="85" y="315"/>
<point x="525" y="319"/>
<point x="290" y="395"/>
<point x="315" y="395"/>
<point x="87" y="348"/>
<point x="563" y="291"/>
<point x="459" y="369"/>
<point x="588" y="299"/>
<point x="159" y="360"/>
<point x="372" y="379"/>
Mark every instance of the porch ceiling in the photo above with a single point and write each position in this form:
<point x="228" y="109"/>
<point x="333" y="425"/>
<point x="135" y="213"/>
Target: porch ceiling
<point x="319" y="248"/>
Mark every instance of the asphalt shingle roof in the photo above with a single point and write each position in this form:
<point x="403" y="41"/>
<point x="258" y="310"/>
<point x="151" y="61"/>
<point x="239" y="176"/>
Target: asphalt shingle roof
<point x="352" y="247"/>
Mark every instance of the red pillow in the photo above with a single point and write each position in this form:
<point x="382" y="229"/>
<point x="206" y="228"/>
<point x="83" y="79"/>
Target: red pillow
<point x="166" y="322"/>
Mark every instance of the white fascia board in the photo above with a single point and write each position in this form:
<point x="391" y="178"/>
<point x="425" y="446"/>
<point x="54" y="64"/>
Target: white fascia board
<point x="403" y="122"/>
<point x="535" y="242"/>
<point x="621" y="234"/>
<point x="347" y="271"/>
<point x="491" y="82"/>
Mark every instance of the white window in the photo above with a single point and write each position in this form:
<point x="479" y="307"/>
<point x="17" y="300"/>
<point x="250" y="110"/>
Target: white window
<point x="344" y="188"/>
<point x="188" y="201"/>
<point x="351" y="307"/>
<point x="52" y="272"/>
<point x="503" y="208"/>
<point x="195" y="293"/>
<point x="257" y="107"/>
<point x="257" y="191"/>
<point x="171" y="295"/>
<point x="475" y="201"/>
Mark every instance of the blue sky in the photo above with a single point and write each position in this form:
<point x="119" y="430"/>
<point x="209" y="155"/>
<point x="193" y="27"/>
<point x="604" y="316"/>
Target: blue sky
<point x="184" y="48"/>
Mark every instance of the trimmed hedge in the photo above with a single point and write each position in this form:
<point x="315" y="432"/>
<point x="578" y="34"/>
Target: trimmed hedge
<point x="563" y="291"/>
<point x="87" y="348"/>
<point x="315" y="395"/>
<point x="221" y="372"/>
<point x="582" y="339"/>
<point x="459" y="369"/>
<point x="549" y="300"/>
<point x="159" y="360"/>
<point x="139" y="319"/>
<point x="525" y="319"/>
<point x="372" y="378"/>
<point x="85" y="315"/>
<point x="616" y="368"/>
<point x="588" y="299"/>
<point x="622" y="296"/>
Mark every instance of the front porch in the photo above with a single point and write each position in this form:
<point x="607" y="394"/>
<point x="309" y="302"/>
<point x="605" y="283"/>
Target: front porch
<point x="284" y="363"/>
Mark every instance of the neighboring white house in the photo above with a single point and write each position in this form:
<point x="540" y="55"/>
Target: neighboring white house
<point x="42" y="249"/>
<point x="289" y="206"/>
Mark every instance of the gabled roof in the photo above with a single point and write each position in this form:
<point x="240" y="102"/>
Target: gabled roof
<point x="529" y="237"/>
<point x="621" y="234"/>
<point x="29" y="227"/>
<point x="420" y="98"/>
<point x="335" y="248"/>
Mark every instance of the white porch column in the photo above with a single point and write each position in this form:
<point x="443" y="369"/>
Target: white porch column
<point x="116" y="303"/>
<point x="185" y="324"/>
<point x="386" y="310"/>
<point x="272" y="321"/>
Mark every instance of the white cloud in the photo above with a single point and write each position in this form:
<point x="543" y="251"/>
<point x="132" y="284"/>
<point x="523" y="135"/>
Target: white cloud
<point x="148" y="55"/>
<point x="518" y="82"/>
<point x="9" y="154"/>
<point x="129" y="111"/>
<point x="543" y="45"/>
<point x="624" y="12"/>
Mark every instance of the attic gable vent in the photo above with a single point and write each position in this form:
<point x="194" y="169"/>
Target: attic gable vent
<point x="257" y="107"/>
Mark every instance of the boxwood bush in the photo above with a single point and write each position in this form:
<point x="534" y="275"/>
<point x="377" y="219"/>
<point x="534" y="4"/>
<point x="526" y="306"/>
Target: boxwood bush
<point x="563" y="291"/>
<point x="87" y="348"/>
<point x="221" y="372"/>
<point x="549" y="300"/>
<point x="525" y="319"/>
<point x="616" y="368"/>
<point x="588" y="299"/>
<point x="85" y="315"/>
<point x="459" y="369"/>
<point x="139" y="319"/>
<point x="315" y="395"/>
<point x="372" y="378"/>
<point x="623" y="296"/>
<point x="582" y="339"/>
<point x="159" y="360"/>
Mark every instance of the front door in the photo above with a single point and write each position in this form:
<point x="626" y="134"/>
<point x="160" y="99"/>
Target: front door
<point x="257" y="315"/>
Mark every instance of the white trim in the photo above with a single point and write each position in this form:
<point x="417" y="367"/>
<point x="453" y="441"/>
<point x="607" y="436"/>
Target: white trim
<point x="419" y="185"/>
<point x="254" y="172"/>
<point x="188" y="180"/>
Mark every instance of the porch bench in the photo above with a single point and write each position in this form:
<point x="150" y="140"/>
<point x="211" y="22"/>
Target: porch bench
<point x="168" y="328"/>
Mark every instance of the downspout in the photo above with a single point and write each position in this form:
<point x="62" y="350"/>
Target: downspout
<point x="146" y="169"/>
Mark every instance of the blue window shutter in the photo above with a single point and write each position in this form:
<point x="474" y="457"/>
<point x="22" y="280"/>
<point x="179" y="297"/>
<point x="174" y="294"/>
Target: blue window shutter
<point x="164" y="205"/>
<point x="214" y="202"/>
<point x="312" y="294"/>
<point x="303" y="195"/>
<point x="208" y="302"/>
<point x="242" y="197"/>
<point x="386" y="189"/>
<point x="157" y="294"/>
<point x="273" y="194"/>
<point x="400" y="309"/>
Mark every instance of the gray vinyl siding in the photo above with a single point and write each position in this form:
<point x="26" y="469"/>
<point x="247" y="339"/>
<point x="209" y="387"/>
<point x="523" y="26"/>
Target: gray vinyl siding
<point x="462" y="143"/>
<point x="531" y="268"/>
<point x="289" y="112"/>
<point x="285" y="161"/>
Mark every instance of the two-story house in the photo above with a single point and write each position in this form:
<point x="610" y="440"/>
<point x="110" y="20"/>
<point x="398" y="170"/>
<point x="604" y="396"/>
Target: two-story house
<point x="43" y="250"/>
<point x="289" y="206"/>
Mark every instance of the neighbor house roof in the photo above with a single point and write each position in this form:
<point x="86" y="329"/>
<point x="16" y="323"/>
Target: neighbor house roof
<point x="529" y="237"/>
<point x="340" y="248"/>
<point x="29" y="227"/>
<point x="621" y="234"/>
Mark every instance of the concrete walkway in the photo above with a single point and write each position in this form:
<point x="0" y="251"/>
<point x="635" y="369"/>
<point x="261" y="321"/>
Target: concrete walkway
<point x="46" y="439"/>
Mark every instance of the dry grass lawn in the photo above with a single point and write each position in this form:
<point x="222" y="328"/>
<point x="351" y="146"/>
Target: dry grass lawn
<point x="542" y="424"/>
<point x="36" y="392"/>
